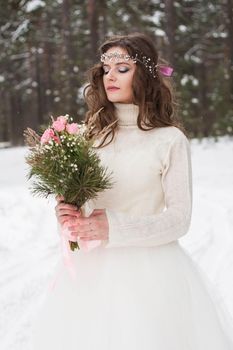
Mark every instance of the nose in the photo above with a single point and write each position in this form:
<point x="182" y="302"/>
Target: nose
<point x="111" y="76"/>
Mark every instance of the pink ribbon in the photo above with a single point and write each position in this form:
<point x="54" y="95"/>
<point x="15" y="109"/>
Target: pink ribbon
<point x="166" y="70"/>
<point x="66" y="252"/>
<point x="84" y="245"/>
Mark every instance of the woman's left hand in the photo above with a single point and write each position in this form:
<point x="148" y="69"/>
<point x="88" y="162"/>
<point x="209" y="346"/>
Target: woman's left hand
<point x="94" y="227"/>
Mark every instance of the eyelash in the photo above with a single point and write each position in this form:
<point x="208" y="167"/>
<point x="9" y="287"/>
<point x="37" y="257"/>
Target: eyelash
<point x="124" y="71"/>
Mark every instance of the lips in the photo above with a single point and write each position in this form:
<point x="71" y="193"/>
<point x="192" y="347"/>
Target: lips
<point x="112" y="88"/>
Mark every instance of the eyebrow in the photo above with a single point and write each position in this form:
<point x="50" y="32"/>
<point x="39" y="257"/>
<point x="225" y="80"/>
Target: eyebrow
<point x="117" y="64"/>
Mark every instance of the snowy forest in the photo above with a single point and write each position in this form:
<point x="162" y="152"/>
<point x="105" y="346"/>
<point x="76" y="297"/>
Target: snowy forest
<point x="46" y="48"/>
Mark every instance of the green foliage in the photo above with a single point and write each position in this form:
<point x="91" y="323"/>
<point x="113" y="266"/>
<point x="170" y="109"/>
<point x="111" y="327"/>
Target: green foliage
<point x="46" y="51"/>
<point x="65" y="164"/>
<point x="70" y="168"/>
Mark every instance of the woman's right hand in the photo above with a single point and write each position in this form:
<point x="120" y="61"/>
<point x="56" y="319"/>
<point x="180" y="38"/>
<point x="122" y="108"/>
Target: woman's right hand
<point x="65" y="212"/>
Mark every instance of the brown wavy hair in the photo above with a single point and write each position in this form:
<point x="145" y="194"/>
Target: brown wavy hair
<point x="154" y="96"/>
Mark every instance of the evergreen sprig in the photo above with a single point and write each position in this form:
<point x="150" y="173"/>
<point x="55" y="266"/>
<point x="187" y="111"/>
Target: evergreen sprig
<point x="65" y="164"/>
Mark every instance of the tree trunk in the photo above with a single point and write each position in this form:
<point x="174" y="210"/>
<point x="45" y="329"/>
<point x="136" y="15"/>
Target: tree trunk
<point x="69" y="54"/>
<point x="230" y="43"/>
<point x="170" y="29"/>
<point x="205" y="118"/>
<point x="48" y="65"/>
<point x="39" y="89"/>
<point x="104" y="25"/>
<point x="16" y="120"/>
<point x="4" y="120"/>
<point x="92" y="11"/>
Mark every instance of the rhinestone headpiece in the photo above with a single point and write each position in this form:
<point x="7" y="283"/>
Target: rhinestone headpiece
<point x="146" y="61"/>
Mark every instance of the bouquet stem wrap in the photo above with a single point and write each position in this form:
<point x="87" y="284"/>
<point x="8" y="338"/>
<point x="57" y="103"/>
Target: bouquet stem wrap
<point x="63" y="161"/>
<point x="66" y="239"/>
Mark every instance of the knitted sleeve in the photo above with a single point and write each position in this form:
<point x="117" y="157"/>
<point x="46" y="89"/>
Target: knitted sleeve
<point x="174" y="221"/>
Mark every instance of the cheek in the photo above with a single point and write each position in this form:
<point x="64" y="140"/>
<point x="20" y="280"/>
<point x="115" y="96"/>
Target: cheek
<point x="105" y="83"/>
<point x="128" y="84"/>
<point x="104" y="80"/>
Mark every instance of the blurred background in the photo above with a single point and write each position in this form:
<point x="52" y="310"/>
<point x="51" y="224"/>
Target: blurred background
<point x="45" y="49"/>
<point x="47" y="46"/>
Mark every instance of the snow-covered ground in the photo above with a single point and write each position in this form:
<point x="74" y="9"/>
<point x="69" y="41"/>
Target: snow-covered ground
<point x="29" y="244"/>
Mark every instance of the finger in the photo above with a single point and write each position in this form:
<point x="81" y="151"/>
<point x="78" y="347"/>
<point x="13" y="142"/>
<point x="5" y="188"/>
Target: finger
<point x="86" y="225"/>
<point x="63" y="221"/>
<point x="62" y="212"/>
<point x="59" y="198"/>
<point x="91" y="238"/>
<point x="71" y="227"/>
<point x="72" y="221"/>
<point x="74" y="234"/>
<point x="66" y="206"/>
<point x="97" y="212"/>
<point x="71" y="210"/>
<point x="84" y="232"/>
<point x="67" y="220"/>
<point x="85" y="220"/>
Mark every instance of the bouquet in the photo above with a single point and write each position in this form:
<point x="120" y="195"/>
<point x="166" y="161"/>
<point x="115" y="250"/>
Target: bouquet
<point x="63" y="162"/>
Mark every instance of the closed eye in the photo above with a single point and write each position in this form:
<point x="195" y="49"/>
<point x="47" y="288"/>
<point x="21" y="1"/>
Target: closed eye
<point x="123" y="70"/>
<point x="120" y="69"/>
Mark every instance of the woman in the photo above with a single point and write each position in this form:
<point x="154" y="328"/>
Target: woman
<point x="138" y="289"/>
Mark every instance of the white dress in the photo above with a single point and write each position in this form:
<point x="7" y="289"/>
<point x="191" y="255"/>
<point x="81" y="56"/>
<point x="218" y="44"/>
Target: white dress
<point x="140" y="289"/>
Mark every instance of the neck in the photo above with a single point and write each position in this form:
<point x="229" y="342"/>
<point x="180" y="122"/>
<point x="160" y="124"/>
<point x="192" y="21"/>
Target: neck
<point x="127" y="113"/>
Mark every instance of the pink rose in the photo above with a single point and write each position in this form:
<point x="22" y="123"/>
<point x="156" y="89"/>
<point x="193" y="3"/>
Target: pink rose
<point x="47" y="135"/>
<point x="72" y="128"/>
<point x="56" y="139"/>
<point x="59" y="125"/>
<point x="62" y="119"/>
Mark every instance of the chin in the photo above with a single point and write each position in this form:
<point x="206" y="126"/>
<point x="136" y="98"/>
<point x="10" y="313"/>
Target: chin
<point x="117" y="100"/>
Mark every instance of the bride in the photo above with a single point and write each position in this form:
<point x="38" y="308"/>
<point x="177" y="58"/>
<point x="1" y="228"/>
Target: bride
<point x="138" y="289"/>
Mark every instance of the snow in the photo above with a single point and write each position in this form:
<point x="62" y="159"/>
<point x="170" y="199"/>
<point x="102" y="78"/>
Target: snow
<point x="156" y="18"/>
<point x="34" y="5"/>
<point x="194" y="100"/>
<point x="22" y="28"/>
<point x="183" y="28"/>
<point x="220" y="35"/>
<point x="23" y="83"/>
<point x="187" y="78"/>
<point x="159" y="32"/>
<point x="195" y="59"/>
<point x="30" y="249"/>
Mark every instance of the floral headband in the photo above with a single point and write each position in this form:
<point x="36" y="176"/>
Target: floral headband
<point x="146" y="61"/>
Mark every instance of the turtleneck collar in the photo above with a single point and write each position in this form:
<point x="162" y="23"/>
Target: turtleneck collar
<point x="126" y="113"/>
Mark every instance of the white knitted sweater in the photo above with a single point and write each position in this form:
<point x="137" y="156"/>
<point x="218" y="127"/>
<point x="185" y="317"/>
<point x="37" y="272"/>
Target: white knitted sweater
<point x="151" y="201"/>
